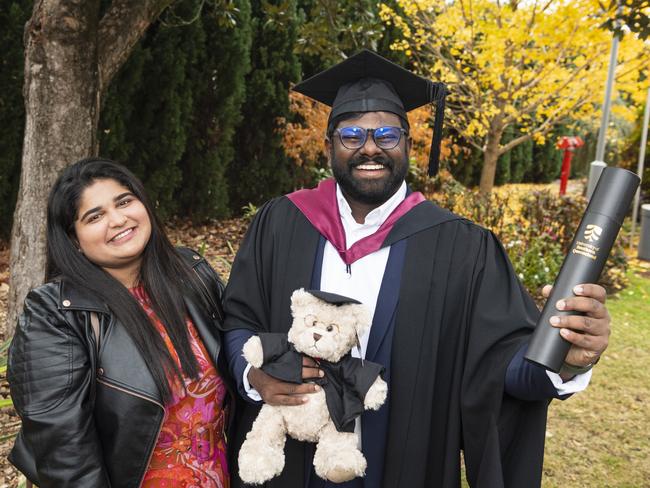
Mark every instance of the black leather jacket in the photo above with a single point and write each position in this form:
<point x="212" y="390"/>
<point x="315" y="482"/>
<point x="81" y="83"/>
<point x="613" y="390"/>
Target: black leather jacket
<point x="90" y="420"/>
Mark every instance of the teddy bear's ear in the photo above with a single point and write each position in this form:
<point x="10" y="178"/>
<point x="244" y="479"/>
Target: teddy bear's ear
<point x="300" y="299"/>
<point x="362" y="316"/>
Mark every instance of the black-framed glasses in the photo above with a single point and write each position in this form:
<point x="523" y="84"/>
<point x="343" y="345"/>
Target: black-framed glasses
<point x="385" y="137"/>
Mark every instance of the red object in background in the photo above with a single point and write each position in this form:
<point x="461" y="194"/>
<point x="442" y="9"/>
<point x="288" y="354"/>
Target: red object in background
<point x="569" y="144"/>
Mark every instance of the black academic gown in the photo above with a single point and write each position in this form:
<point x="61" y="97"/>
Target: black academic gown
<point x="461" y="316"/>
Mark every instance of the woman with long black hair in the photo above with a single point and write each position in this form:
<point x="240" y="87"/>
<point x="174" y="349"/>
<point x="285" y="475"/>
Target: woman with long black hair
<point x="115" y="368"/>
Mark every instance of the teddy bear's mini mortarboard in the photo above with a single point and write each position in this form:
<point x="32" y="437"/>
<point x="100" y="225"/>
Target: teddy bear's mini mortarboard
<point x="367" y="82"/>
<point x="332" y="298"/>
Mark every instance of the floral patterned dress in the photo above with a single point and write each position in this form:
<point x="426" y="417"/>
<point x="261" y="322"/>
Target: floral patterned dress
<point x="191" y="447"/>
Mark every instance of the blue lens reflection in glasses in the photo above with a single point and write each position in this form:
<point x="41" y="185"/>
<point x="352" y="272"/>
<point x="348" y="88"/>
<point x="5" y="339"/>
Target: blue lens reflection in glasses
<point x="385" y="137"/>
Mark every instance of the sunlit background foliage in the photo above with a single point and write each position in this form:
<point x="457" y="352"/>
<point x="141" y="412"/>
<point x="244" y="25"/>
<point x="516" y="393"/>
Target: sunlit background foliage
<point x="201" y="111"/>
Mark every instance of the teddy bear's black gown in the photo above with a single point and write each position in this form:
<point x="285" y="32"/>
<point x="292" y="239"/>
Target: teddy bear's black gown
<point x="345" y="383"/>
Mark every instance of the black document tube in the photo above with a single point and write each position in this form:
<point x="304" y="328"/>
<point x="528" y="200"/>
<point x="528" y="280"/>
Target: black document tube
<point x="584" y="263"/>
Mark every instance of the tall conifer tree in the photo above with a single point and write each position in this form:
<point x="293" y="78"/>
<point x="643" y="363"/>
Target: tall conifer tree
<point x="147" y="113"/>
<point x="219" y="92"/>
<point x="261" y="169"/>
<point x="171" y="114"/>
<point x="13" y="16"/>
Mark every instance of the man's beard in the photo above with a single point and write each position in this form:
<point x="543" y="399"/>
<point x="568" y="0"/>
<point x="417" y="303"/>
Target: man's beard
<point x="370" y="192"/>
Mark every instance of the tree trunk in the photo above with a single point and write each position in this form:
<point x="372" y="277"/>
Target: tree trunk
<point x="490" y="158"/>
<point x="61" y="110"/>
<point x="70" y="58"/>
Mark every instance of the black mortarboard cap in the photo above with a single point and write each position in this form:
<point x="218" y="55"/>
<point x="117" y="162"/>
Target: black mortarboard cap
<point x="332" y="298"/>
<point x="367" y="82"/>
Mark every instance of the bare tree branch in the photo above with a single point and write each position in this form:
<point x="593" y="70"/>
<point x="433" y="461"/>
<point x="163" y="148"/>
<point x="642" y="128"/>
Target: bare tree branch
<point x="119" y="30"/>
<point x="545" y="7"/>
<point x="544" y="98"/>
<point x="182" y="22"/>
<point x="544" y="128"/>
<point x="498" y="17"/>
<point x="641" y="60"/>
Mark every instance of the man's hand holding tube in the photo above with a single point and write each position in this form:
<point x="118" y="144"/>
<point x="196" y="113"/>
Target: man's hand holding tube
<point x="588" y="333"/>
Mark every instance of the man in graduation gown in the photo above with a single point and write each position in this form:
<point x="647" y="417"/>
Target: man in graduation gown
<point x="450" y="319"/>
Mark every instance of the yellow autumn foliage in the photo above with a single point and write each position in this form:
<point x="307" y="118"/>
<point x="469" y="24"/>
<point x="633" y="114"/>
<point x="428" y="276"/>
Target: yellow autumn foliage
<point x="531" y="64"/>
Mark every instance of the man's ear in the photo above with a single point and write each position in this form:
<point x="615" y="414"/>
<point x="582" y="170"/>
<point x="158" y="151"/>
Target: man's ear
<point x="328" y="149"/>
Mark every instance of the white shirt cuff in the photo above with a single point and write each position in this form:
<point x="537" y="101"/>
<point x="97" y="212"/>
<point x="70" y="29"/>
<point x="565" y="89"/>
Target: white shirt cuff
<point x="576" y="384"/>
<point x="250" y="391"/>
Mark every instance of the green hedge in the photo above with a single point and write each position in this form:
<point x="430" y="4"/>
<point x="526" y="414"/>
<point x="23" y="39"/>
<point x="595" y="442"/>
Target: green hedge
<point x="261" y="169"/>
<point x="13" y="16"/>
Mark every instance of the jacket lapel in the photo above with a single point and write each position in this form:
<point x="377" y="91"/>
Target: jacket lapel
<point x="72" y="297"/>
<point x="387" y="300"/>
<point x="423" y="216"/>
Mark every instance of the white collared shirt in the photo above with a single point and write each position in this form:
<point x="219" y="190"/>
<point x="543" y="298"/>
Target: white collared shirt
<point x="362" y="279"/>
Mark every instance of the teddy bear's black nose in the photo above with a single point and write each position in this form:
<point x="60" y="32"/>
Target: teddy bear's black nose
<point x="317" y="336"/>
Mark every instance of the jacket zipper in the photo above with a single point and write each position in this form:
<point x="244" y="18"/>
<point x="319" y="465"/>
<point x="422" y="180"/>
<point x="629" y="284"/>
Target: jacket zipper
<point x="207" y="292"/>
<point x="124" y="390"/>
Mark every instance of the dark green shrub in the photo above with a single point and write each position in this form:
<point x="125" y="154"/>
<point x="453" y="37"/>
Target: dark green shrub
<point x="13" y="16"/>
<point x="536" y="231"/>
<point x="546" y="217"/>
<point x="547" y="162"/>
<point x="521" y="161"/>
<point x="261" y="169"/>
<point x="504" y="163"/>
<point x="536" y="259"/>
<point x="171" y="113"/>
<point x="218" y="94"/>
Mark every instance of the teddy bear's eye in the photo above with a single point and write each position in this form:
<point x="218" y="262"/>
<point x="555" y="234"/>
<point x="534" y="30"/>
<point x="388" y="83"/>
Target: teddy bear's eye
<point x="331" y="327"/>
<point x="310" y="320"/>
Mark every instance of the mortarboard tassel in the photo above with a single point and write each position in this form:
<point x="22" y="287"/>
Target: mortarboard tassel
<point x="438" y="92"/>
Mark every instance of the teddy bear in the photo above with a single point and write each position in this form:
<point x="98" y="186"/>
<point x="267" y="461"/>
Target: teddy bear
<point x="325" y="327"/>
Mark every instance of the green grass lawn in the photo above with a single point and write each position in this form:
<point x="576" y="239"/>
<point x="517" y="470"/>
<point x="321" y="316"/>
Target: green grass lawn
<point x="601" y="437"/>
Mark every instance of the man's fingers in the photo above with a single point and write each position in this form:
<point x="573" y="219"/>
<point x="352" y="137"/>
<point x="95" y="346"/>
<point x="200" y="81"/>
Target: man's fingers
<point x="590" y="306"/>
<point x="282" y="388"/>
<point x="290" y="394"/>
<point x="596" y="292"/>
<point x="309" y="362"/>
<point x="287" y="400"/>
<point x="276" y="392"/>
<point x="584" y="341"/>
<point x="310" y="373"/>
<point x="310" y="369"/>
<point x="582" y="323"/>
<point x="591" y="290"/>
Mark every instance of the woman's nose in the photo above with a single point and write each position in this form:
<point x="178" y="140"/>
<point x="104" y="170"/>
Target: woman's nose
<point x="117" y="218"/>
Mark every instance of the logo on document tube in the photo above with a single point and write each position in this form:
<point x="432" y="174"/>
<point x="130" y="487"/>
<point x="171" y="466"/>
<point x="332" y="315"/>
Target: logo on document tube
<point x="592" y="232"/>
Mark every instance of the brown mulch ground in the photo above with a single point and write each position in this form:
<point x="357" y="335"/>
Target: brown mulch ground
<point x="217" y="241"/>
<point x="8" y="419"/>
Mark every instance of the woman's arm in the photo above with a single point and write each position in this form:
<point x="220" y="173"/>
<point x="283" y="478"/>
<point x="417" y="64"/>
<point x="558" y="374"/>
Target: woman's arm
<point x="52" y="386"/>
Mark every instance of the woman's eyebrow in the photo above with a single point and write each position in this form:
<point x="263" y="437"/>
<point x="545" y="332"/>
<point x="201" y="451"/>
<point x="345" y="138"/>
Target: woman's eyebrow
<point x="95" y="209"/>
<point x="122" y="195"/>
<point x="88" y="212"/>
